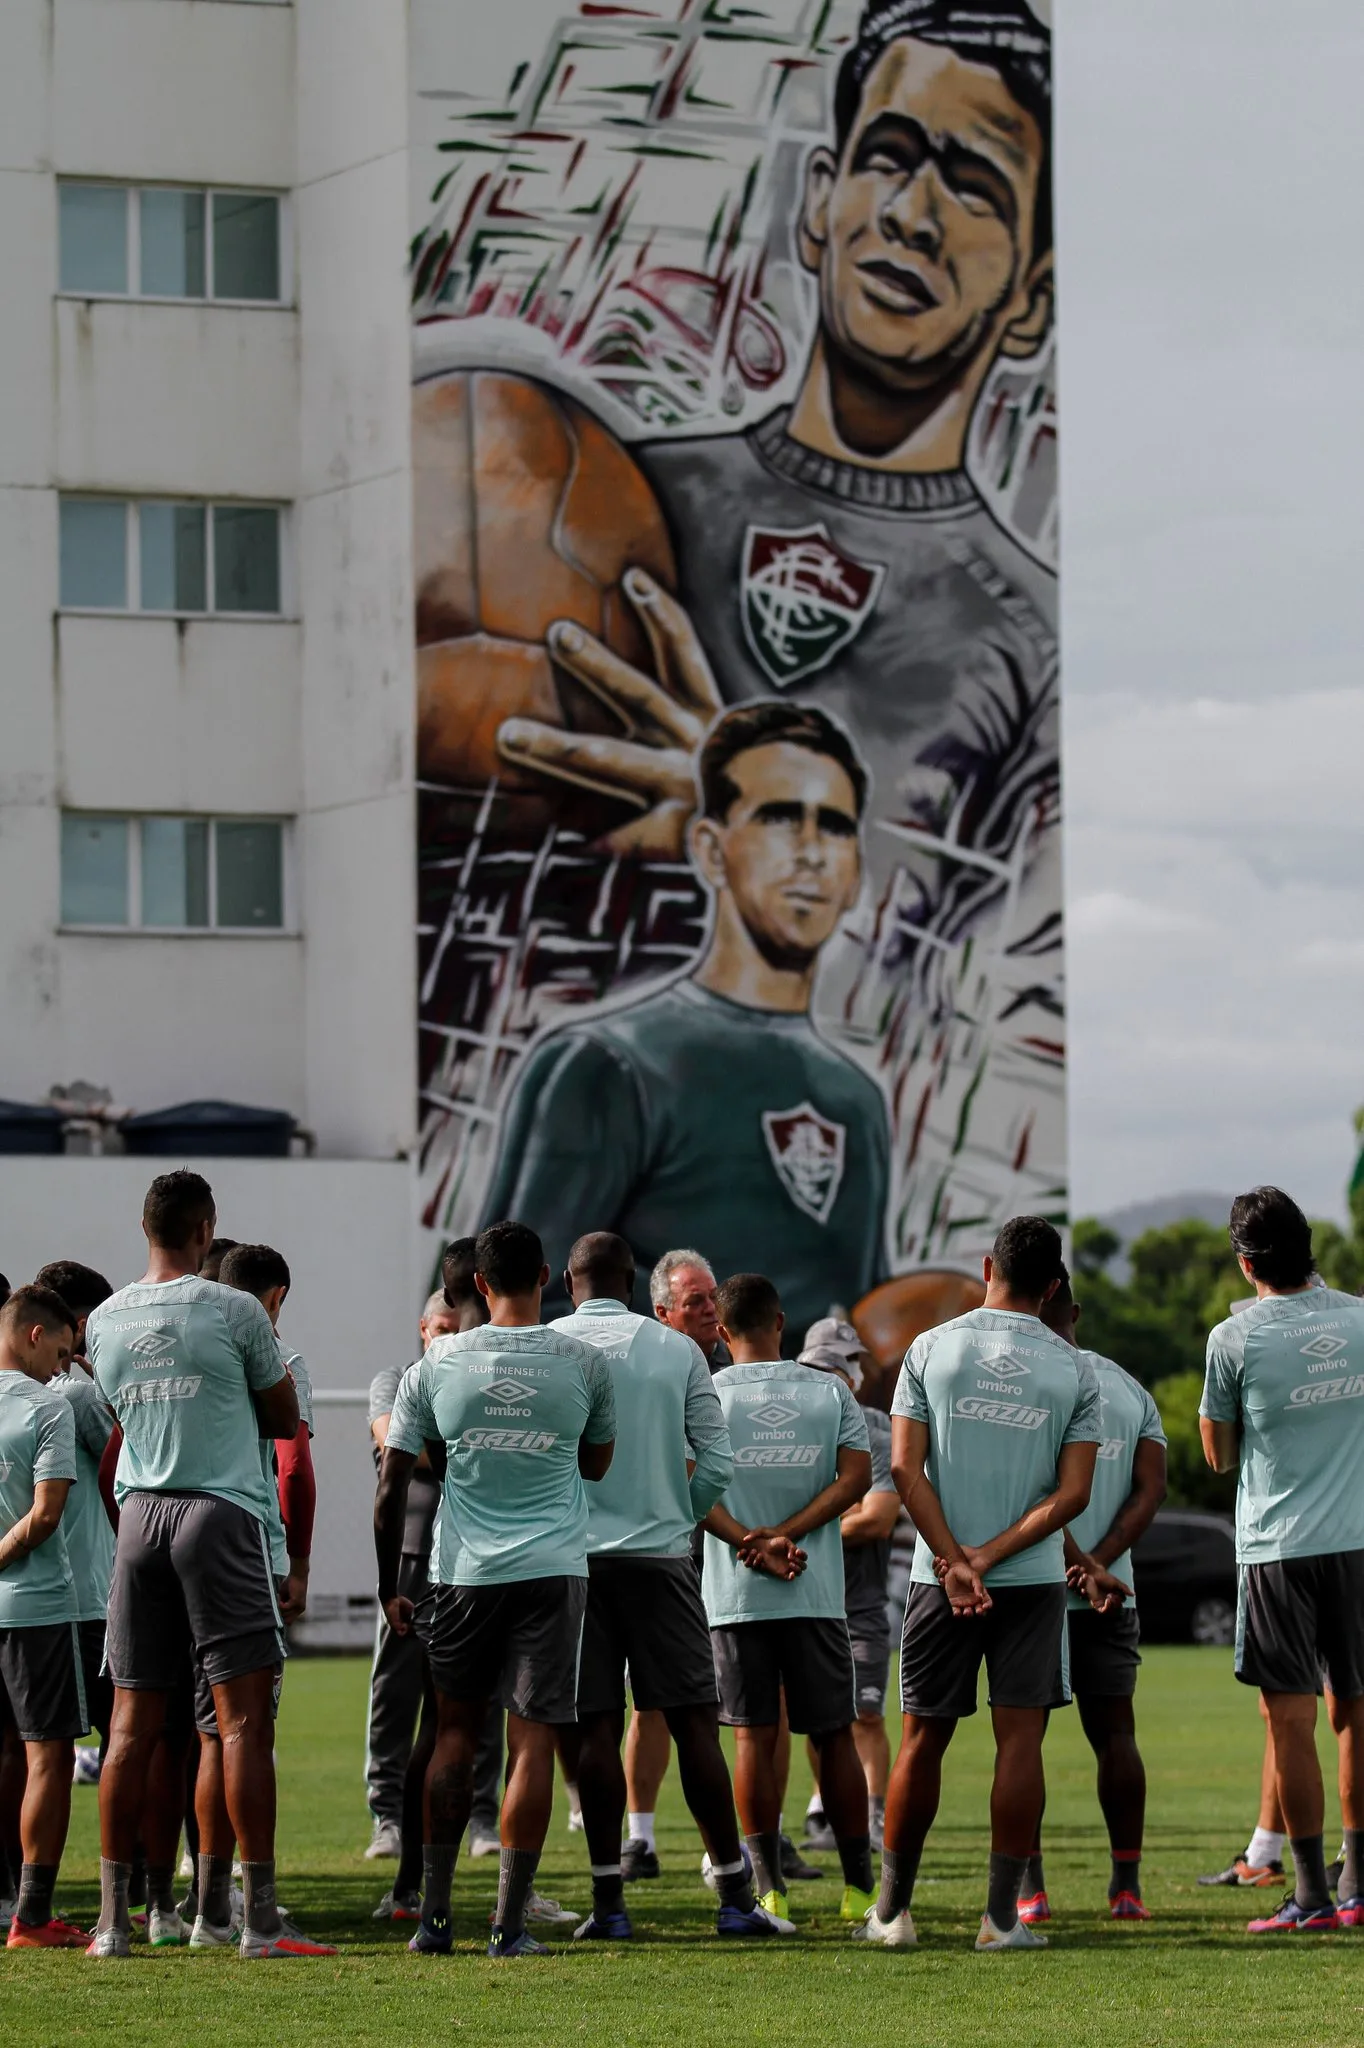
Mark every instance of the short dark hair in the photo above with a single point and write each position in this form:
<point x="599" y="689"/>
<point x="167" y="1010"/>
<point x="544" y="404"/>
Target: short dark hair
<point x="602" y="1257"/>
<point x="35" y="1304"/>
<point x="4" y="1290"/>
<point x="457" y="1272"/>
<point x="1269" y="1231"/>
<point x="1056" y="1309"/>
<point x="767" y="724"/>
<point x="510" y="1258"/>
<point x="213" y="1258"/>
<point x="80" y="1287"/>
<point x="177" y="1205"/>
<point x="1027" y="1256"/>
<point x="254" y="1269"/>
<point x="747" y="1304"/>
<point x="1004" y="34"/>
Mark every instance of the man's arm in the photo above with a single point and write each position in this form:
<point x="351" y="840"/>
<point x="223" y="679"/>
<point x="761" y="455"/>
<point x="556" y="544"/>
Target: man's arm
<point x="872" y="1520"/>
<point x="277" y="1410"/>
<point x="378" y="1429"/>
<point x="853" y="1479"/>
<point x="298" y="1507"/>
<point x="712" y="1467"/>
<point x="1221" y="1443"/>
<point x="390" y="1518"/>
<point x="762" y="1550"/>
<point x="1137" y="1512"/>
<point x="108" y="1468"/>
<point x="41" y="1522"/>
<point x="272" y="1391"/>
<point x="594" y="1460"/>
<point x="1074" y="1479"/>
<point x="598" y="1440"/>
<point x="962" y="1580"/>
<point x="1219" y="1411"/>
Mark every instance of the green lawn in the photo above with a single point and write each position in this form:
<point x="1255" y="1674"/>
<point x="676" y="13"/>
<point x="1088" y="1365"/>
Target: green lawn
<point x="1190" y="1977"/>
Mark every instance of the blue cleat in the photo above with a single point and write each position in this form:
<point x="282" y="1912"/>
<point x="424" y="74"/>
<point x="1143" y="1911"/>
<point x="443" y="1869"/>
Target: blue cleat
<point x="759" y="1924"/>
<point x="504" y="1947"/>
<point x="433" y="1937"/>
<point x="605" y="1927"/>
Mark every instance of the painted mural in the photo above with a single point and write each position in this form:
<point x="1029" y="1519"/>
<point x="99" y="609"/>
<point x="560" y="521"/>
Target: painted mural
<point x="735" y="452"/>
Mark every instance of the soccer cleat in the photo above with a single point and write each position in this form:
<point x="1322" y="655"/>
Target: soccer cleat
<point x="107" y="1942"/>
<point x="187" y="1867"/>
<point x="505" y="1948"/>
<point x="484" y="1842"/>
<point x="398" y="1906"/>
<point x="575" y="1821"/>
<point x="994" y="1940"/>
<point x="85" y="1770"/>
<point x="1334" y="1872"/>
<point x="856" y="1904"/>
<point x="1292" y="1918"/>
<point x="1350" y="1913"/>
<point x="52" y="1934"/>
<point x="818" y="1834"/>
<point x="278" y="1947"/>
<point x="774" y="1902"/>
<point x="549" y="1913"/>
<point x="209" y="1934"/>
<point x="793" y="1864"/>
<point x="386" y="1841"/>
<point x="897" y="1933"/>
<point x="734" y="1924"/>
<point x="637" y="1860"/>
<point x="1127" y="1906"/>
<point x="434" y="1937"/>
<point x="1031" y="1911"/>
<point x="605" y="1927"/>
<point x="166" y="1930"/>
<point x="1247" y="1875"/>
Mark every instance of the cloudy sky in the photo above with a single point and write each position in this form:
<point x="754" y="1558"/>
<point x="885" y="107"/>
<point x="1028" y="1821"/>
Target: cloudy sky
<point x="1211" y="234"/>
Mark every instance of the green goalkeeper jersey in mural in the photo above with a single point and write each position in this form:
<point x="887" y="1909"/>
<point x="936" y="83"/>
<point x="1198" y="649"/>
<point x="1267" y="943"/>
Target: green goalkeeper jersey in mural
<point x="686" y="1119"/>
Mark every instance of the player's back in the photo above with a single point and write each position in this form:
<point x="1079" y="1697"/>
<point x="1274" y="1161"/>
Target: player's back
<point x="37" y="1442"/>
<point x="177" y="1361"/>
<point x="1296" y="1364"/>
<point x="85" y="1522"/>
<point x="1127" y="1414"/>
<point x="1001" y="1397"/>
<point x="511" y="1405"/>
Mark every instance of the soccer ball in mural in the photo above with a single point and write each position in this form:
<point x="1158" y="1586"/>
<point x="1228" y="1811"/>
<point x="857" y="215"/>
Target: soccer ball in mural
<point x="528" y="515"/>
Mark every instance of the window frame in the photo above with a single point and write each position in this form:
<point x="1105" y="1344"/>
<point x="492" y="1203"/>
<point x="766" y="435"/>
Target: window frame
<point x="286" y="299"/>
<point x="288" y="928"/>
<point x="133" y="608"/>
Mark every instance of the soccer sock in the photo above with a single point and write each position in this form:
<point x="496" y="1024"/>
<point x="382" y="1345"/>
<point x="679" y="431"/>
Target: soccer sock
<point x="1264" y="1847"/>
<point x="438" y="1874"/>
<point x="640" y="1827"/>
<point x="114" y="1879"/>
<point x="1006" y="1875"/>
<point x="765" y="1854"/>
<point x="854" y="1853"/>
<point x="37" y="1881"/>
<point x="899" y="1869"/>
<point x="1034" y="1880"/>
<point x="215" y="1889"/>
<point x="1352" y="1865"/>
<point x="876" y="1814"/>
<point x="1126" y="1875"/>
<point x="514" y="1881"/>
<point x="608" y="1889"/>
<point x="262" y="1908"/>
<point x="137" y="1881"/>
<point x="732" y="1885"/>
<point x="1309" y="1860"/>
<point x="161" y="1887"/>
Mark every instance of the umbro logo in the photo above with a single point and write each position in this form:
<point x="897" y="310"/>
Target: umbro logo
<point x="773" y="1414"/>
<point x="1323" y="1347"/>
<point x="507" y="1391"/>
<point x="1005" y="1367"/>
<point x="151" y="1344"/>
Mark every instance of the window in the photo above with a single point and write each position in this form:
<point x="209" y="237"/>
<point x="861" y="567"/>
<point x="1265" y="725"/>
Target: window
<point x="158" y="555"/>
<point x="173" y="874"/>
<point x="168" y="242"/>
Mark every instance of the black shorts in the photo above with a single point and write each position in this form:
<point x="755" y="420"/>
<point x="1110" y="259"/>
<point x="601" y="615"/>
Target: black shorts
<point x="1300" y="1621"/>
<point x="518" y="1644"/>
<point x="42" y="1693"/>
<point x="99" y="1687"/>
<point x="191" y="1573"/>
<point x="871" y="1672"/>
<point x="205" y="1708"/>
<point x="646" y="1613"/>
<point x="1022" y="1640"/>
<point x="808" y="1657"/>
<point x="1104" y="1653"/>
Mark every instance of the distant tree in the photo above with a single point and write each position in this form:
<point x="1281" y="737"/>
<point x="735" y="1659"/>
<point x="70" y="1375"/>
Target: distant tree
<point x="1193" y="1484"/>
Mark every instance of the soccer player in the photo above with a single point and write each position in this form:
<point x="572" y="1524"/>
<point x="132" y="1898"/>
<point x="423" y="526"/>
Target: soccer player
<point x="1103" y="1631"/>
<point x="995" y="1431"/>
<point x="41" y="1695"/>
<point x="1260" y="1864"/>
<point x="87" y="1526"/>
<point x="773" y="1584"/>
<point x="1281" y="1408"/>
<point x="644" y="1609"/>
<point x="832" y="1345"/>
<point x="522" y="1415"/>
<point x="192" y="1371"/>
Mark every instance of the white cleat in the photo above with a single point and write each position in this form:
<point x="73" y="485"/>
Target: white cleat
<point x="897" y="1933"/>
<point x="992" y="1940"/>
<point x="166" y="1930"/>
<point x="481" y="1843"/>
<point x="549" y="1913"/>
<point x="206" y="1935"/>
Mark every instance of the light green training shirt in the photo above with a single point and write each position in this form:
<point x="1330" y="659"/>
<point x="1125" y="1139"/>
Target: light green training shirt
<point x="787" y="1424"/>
<point x="1128" y="1416"/>
<point x="178" y="1362"/>
<point x="510" y="1406"/>
<point x="1002" y="1397"/>
<point x="1290" y="1370"/>
<point x="667" y="1411"/>
<point x="85" y="1524"/>
<point x="37" y="1441"/>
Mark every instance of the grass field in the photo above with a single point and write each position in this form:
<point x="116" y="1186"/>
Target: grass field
<point x="1190" y="1977"/>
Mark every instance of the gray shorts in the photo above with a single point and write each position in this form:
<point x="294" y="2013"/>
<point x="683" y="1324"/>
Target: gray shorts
<point x="518" y="1644"/>
<point x="1300" y="1622"/>
<point x="644" y="1612"/>
<point x="809" y="1658"/>
<point x="42" y="1693"/>
<point x="191" y="1574"/>
<point x="871" y="1671"/>
<point x="1021" y="1641"/>
<point x="1105" y="1653"/>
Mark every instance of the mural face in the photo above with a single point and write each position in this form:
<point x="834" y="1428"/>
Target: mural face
<point x="734" y="439"/>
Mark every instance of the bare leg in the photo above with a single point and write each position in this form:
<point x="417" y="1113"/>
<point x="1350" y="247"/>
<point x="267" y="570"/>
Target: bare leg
<point x="1019" y="1788"/>
<point x="911" y="1808"/>
<point x="1271" y="1813"/>
<point x="757" y="1794"/>
<point x="1293" y="1718"/>
<point x="529" y="1798"/>
<point x="647" y="1749"/>
<point x="137" y="1723"/>
<point x="46" y="1811"/>
<point x="873" y="1748"/>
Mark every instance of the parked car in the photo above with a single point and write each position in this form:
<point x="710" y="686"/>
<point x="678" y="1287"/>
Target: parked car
<point x="1185" y="1573"/>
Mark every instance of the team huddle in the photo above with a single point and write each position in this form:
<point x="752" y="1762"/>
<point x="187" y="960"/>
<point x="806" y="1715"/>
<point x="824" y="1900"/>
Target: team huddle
<point x="572" y="1512"/>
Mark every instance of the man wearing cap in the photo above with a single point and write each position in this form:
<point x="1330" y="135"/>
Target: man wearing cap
<point x="832" y="1345"/>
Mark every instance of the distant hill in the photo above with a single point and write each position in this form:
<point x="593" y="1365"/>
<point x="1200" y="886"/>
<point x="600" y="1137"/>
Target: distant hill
<point x="1129" y="1222"/>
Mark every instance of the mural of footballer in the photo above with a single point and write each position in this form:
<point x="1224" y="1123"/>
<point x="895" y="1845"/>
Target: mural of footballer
<point x="713" y="1107"/>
